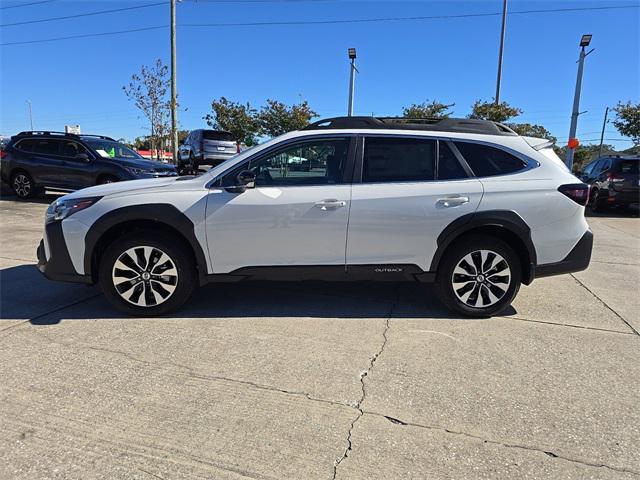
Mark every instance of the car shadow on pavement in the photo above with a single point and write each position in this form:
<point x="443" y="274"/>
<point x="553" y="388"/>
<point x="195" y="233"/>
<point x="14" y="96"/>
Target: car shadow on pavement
<point x="26" y="295"/>
<point x="613" y="213"/>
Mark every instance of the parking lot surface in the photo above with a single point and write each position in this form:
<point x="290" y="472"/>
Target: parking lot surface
<point x="320" y="381"/>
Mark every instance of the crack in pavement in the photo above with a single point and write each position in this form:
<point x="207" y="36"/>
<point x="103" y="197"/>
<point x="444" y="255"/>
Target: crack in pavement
<point x="397" y="421"/>
<point x="192" y="373"/>
<point x="605" y="304"/>
<point x="363" y="375"/>
<point x="522" y="319"/>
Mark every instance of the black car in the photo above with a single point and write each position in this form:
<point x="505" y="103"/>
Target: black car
<point x="32" y="161"/>
<point x="614" y="181"/>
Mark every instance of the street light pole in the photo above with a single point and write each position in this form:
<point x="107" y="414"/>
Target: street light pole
<point x="500" y="54"/>
<point x="174" y="109"/>
<point x="604" y="124"/>
<point x="30" y="114"/>
<point x="352" y="80"/>
<point x="584" y="42"/>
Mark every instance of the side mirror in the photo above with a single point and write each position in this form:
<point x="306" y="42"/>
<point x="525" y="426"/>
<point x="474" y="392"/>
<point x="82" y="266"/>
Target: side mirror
<point x="246" y="179"/>
<point x="82" y="157"/>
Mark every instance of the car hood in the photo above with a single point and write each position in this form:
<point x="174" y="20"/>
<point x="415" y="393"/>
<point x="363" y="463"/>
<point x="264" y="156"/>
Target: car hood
<point x="119" y="187"/>
<point x="143" y="163"/>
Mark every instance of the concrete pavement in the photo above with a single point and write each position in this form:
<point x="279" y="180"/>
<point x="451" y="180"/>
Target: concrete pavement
<point x="313" y="380"/>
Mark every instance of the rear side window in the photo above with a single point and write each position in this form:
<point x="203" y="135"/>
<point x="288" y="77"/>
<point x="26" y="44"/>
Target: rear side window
<point x="449" y="167"/>
<point x="220" y="136"/>
<point x="629" y="166"/>
<point x="398" y="160"/>
<point x="488" y="161"/>
<point x="46" y="147"/>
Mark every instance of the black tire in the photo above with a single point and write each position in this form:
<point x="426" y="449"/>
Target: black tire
<point x="596" y="203"/>
<point x="23" y="185"/>
<point x="104" y="179"/>
<point x="182" y="262"/>
<point x="481" y="288"/>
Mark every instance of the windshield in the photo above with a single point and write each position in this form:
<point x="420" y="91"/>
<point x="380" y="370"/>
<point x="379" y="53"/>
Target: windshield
<point x="111" y="149"/>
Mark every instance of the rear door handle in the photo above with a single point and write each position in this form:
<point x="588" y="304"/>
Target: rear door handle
<point x="330" y="204"/>
<point x="453" y="201"/>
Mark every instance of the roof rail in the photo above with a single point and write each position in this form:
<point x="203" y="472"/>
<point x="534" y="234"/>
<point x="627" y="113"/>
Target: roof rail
<point x="458" y="125"/>
<point x="103" y="137"/>
<point x="46" y="132"/>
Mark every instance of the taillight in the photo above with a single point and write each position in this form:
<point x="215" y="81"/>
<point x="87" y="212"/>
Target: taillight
<point x="578" y="192"/>
<point x="3" y="154"/>
<point x="237" y="148"/>
<point x="613" y="179"/>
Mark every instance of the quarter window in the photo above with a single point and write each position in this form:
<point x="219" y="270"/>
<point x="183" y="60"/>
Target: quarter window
<point x="398" y="160"/>
<point x="487" y="161"/>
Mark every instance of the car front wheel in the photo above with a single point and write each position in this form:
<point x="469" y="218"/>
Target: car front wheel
<point x="147" y="274"/>
<point x="479" y="276"/>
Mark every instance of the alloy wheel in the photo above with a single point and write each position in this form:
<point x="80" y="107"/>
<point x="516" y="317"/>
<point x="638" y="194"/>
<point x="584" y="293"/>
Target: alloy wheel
<point x="22" y="185"/>
<point x="481" y="278"/>
<point x="145" y="276"/>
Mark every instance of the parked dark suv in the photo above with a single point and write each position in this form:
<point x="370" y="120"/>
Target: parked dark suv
<point x="614" y="180"/>
<point x="34" y="160"/>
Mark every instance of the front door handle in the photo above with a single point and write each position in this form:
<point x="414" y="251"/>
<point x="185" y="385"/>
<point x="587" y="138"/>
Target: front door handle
<point x="453" y="201"/>
<point x="330" y="204"/>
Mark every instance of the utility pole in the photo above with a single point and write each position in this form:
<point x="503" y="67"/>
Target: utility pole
<point x="352" y="80"/>
<point x="30" y="114"/>
<point x="604" y="124"/>
<point x="500" y="54"/>
<point x="584" y="43"/>
<point x="174" y="109"/>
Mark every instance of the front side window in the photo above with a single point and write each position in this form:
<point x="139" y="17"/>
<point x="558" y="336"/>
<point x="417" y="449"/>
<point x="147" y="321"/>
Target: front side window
<point x="486" y="161"/>
<point x="398" y="160"/>
<point x="316" y="162"/>
<point x="72" y="149"/>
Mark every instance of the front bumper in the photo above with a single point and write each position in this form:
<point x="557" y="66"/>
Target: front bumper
<point x="576" y="261"/>
<point x="58" y="266"/>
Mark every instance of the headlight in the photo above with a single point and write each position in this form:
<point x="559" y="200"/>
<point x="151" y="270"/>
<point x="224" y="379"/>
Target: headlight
<point x="138" y="171"/>
<point x="61" y="209"/>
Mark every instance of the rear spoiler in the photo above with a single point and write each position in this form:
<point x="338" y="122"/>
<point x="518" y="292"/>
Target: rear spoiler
<point x="539" y="143"/>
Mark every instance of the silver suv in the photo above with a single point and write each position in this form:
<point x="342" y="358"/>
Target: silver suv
<point x="206" y="147"/>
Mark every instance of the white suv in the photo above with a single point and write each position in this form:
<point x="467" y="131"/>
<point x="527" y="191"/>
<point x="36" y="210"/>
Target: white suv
<point x="467" y="204"/>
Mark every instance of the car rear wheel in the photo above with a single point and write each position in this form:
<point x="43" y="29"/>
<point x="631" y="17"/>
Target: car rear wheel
<point x="147" y="274"/>
<point x="479" y="276"/>
<point x="22" y="185"/>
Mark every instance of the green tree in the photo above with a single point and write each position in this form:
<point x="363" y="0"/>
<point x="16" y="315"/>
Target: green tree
<point x="236" y="118"/>
<point x="276" y="118"/>
<point x="583" y="154"/>
<point x="149" y="92"/>
<point x="627" y="120"/>
<point x="531" y="130"/>
<point x="433" y="109"/>
<point x="490" y="111"/>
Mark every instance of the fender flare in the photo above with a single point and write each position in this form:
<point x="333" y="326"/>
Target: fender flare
<point x="505" y="219"/>
<point x="161" y="213"/>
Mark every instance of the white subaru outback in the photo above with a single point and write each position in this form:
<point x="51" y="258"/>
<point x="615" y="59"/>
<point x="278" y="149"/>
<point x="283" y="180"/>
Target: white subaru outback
<point x="467" y="204"/>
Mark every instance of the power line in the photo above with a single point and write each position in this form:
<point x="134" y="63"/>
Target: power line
<point x="321" y="22"/>
<point x="27" y="4"/>
<point x="90" y="14"/>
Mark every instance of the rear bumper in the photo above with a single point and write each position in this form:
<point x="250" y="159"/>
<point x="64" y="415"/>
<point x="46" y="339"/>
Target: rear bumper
<point x="577" y="260"/>
<point x="624" y="197"/>
<point x="58" y="266"/>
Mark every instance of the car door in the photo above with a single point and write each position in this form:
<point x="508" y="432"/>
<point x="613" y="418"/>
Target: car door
<point x="295" y="216"/>
<point x="78" y="171"/>
<point x="47" y="164"/>
<point x="405" y="192"/>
